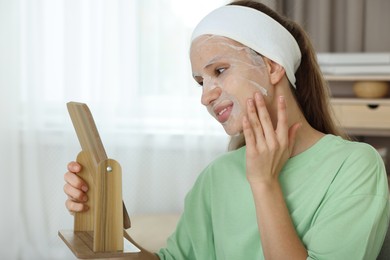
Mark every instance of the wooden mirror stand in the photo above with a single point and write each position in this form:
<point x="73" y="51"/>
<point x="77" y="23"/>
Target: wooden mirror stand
<point x="99" y="232"/>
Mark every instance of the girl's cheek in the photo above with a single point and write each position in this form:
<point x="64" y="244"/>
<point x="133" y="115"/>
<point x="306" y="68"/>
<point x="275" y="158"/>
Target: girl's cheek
<point x="230" y="81"/>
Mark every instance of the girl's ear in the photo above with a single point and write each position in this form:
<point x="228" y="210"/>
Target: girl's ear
<point x="275" y="71"/>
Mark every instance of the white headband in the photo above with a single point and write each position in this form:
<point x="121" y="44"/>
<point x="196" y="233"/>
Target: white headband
<point x="256" y="30"/>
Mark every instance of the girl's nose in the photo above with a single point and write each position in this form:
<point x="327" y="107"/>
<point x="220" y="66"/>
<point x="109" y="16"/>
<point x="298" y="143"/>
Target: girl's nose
<point x="210" y="94"/>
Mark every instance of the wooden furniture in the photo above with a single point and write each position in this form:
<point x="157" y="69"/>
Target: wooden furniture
<point x="366" y="119"/>
<point x="100" y="231"/>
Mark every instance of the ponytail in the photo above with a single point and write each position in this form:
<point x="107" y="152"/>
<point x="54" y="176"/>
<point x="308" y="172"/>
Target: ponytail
<point x="312" y="91"/>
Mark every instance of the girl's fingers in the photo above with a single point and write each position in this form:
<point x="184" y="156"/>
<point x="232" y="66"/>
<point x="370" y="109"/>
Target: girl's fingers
<point x="258" y="126"/>
<point x="248" y="134"/>
<point x="73" y="206"/>
<point x="292" y="133"/>
<point x="74" y="193"/>
<point x="286" y="134"/>
<point x="74" y="167"/>
<point x="254" y="122"/>
<point x="75" y="181"/>
<point x="264" y="117"/>
<point x="282" y="125"/>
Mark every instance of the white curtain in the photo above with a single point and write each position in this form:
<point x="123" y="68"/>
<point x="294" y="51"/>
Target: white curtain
<point x="128" y="60"/>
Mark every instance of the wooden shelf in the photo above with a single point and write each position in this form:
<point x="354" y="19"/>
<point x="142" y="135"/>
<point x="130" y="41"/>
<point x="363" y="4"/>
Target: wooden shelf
<point x="357" y="77"/>
<point x="360" y="101"/>
<point x="368" y="119"/>
<point x="368" y="132"/>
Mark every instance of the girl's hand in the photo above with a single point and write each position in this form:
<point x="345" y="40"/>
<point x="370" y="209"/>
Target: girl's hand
<point x="267" y="149"/>
<point x="75" y="188"/>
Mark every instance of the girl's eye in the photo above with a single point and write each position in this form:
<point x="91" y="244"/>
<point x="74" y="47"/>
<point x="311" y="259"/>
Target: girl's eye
<point x="219" y="71"/>
<point x="199" y="81"/>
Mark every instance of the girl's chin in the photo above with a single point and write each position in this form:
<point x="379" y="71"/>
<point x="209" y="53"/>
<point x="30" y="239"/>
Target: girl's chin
<point x="233" y="131"/>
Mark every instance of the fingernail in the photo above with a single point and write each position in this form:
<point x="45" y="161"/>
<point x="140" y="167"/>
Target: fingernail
<point x="84" y="188"/>
<point x="250" y="102"/>
<point x="85" y="198"/>
<point x="281" y="98"/>
<point x="257" y="95"/>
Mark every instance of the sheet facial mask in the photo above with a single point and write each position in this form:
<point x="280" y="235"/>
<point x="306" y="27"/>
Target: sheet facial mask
<point x="236" y="70"/>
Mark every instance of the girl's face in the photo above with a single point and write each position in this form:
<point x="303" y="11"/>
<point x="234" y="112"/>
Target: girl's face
<point x="229" y="74"/>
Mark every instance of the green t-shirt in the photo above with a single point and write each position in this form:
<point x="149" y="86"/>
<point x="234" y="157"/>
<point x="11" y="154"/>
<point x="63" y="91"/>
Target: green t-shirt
<point x="336" y="193"/>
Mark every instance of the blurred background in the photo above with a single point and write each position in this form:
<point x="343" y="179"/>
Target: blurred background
<point x="128" y="60"/>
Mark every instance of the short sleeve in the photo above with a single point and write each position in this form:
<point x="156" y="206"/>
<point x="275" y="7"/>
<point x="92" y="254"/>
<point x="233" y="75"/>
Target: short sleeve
<point x="352" y="221"/>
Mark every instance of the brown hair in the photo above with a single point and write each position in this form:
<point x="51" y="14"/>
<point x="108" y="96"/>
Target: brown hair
<point x="312" y="91"/>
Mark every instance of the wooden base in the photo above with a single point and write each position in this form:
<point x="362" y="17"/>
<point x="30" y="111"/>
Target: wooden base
<point x="81" y="244"/>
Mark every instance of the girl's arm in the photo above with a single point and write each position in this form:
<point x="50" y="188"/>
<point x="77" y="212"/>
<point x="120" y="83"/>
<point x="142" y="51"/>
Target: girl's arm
<point x="267" y="151"/>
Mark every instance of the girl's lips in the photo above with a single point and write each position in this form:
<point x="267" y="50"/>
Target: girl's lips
<point x="222" y="113"/>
